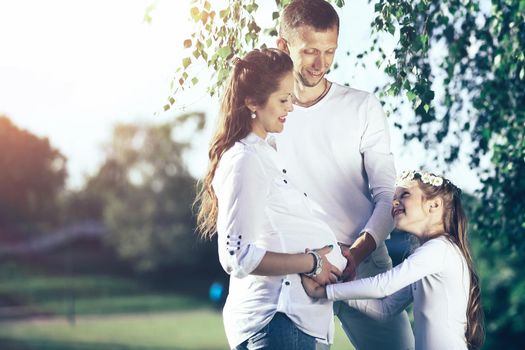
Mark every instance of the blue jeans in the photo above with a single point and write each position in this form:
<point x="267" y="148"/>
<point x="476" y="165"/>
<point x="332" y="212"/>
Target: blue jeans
<point x="280" y="334"/>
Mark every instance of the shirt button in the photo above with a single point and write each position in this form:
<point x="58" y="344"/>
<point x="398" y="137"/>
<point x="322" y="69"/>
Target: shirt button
<point x="284" y="171"/>
<point x="285" y="181"/>
<point x="305" y="195"/>
<point x="287" y="283"/>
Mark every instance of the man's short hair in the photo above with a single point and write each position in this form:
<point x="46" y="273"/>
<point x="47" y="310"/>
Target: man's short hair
<point x="317" y="14"/>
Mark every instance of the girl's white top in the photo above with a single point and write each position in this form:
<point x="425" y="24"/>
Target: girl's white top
<point x="435" y="277"/>
<point x="261" y="210"/>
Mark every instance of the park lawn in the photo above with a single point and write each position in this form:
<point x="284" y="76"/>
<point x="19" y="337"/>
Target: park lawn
<point x="108" y="312"/>
<point x="189" y="330"/>
<point x="86" y="294"/>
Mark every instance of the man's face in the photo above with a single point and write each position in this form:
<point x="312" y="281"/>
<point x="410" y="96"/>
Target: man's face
<point x="312" y="53"/>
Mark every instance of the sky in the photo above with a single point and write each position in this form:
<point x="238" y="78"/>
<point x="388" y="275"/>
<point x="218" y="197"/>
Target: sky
<point x="71" y="69"/>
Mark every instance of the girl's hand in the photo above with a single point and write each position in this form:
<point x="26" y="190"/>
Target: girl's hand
<point x="312" y="288"/>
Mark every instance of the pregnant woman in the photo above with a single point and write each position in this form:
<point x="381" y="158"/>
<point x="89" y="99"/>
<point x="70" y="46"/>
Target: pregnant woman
<point x="267" y="227"/>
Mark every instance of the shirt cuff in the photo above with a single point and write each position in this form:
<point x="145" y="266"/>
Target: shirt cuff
<point x="377" y="239"/>
<point x="248" y="261"/>
<point x="330" y="292"/>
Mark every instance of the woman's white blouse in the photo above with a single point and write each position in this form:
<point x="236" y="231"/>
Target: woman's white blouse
<point x="261" y="210"/>
<point x="435" y="277"/>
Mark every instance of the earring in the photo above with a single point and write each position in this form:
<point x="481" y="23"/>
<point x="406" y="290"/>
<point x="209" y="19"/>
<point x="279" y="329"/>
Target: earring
<point x="253" y="115"/>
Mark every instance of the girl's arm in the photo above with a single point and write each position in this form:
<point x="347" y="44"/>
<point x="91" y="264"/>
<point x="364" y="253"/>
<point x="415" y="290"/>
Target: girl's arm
<point x="426" y="260"/>
<point x="378" y="309"/>
<point x="385" y="308"/>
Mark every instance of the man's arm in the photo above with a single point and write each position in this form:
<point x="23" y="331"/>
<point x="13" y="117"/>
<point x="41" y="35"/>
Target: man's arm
<point x="378" y="162"/>
<point x="355" y="254"/>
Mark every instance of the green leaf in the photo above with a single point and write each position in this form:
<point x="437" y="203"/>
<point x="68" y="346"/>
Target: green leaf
<point x="195" y="14"/>
<point x="275" y="15"/>
<point x="424" y="41"/>
<point x="390" y="27"/>
<point x="486" y="133"/>
<point x="426" y="107"/>
<point x="411" y="95"/>
<point x="224" y="52"/>
<point x="391" y="70"/>
<point x="223" y="73"/>
<point x="207" y="6"/>
<point x="224" y="13"/>
<point x="186" y="62"/>
<point x="194" y="80"/>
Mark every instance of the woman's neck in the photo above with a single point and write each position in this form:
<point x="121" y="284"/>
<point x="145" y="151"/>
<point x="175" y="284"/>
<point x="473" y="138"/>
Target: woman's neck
<point x="260" y="132"/>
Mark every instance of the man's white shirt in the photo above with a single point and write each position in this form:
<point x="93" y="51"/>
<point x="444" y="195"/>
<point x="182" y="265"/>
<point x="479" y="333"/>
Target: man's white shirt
<point x="339" y="151"/>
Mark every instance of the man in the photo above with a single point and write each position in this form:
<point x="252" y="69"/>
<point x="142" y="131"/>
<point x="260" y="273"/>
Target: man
<point x="336" y="148"/>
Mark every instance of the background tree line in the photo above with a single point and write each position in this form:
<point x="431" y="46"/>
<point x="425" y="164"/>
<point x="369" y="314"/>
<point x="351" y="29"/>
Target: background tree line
<point x="142" y="194"/>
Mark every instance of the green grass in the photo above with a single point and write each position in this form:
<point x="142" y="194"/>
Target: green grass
<point x="188" y="330"/>
<point x="87" y="294"/>
<point x="200" y="329"/>
<point x="110" y="313"/>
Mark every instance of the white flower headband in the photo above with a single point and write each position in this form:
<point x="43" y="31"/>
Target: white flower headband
<point x="409" y="175"/>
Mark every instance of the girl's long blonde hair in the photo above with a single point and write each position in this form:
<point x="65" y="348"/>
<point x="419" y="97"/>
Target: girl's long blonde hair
<point x="256" y="76"/>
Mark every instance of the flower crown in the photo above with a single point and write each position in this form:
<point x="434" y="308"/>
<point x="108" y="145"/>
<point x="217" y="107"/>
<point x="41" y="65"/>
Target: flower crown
<point x="428" y="178"/>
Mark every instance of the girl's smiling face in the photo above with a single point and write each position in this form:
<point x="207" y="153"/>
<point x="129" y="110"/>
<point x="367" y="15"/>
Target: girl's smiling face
<point x="410" y="209"/>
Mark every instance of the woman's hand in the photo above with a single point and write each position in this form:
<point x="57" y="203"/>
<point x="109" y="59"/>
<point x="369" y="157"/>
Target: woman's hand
<point x="329" y="273"/>
<point x="312" y="288"/>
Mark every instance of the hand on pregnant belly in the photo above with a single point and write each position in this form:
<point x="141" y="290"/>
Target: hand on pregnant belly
<point x="329" y="273"/>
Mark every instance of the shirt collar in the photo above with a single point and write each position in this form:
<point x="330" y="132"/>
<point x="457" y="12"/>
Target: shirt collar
<point x="253" y="139"/>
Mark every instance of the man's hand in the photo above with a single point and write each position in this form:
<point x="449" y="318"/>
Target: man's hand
<point x="362" y="247"/>
<point x="330" y="273"/>
<point x="312" y="288"/>
<point x="350" y="270"/>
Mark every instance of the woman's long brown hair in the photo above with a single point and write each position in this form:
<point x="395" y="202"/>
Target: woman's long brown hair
<point x="455" y="224"/>
<point x="255" y="77"/>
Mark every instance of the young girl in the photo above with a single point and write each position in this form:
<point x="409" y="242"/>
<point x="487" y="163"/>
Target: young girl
<point x="439" y="277"/>
<point x="264" y="222"/>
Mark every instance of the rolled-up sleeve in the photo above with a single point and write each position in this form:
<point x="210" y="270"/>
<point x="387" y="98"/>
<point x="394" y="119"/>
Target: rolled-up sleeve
<point x="380" y="169"/>
<point x="241" y="188"/>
